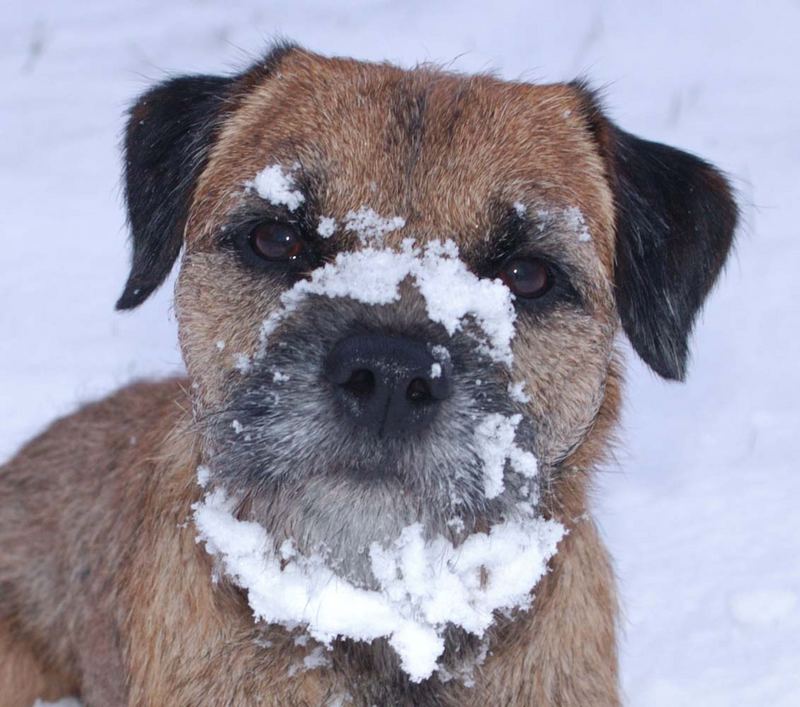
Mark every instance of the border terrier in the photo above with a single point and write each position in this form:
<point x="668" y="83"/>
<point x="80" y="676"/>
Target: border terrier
<point x="376" y="264"/>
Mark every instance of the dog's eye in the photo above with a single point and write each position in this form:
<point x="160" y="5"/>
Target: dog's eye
<point x="527" y="278"/>
<point x="276" y="242"/>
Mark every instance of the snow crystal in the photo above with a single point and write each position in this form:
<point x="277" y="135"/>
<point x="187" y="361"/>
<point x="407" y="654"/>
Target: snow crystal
<point x="424" y="585"/>
<point x="516" y="391"/>
<point x="277" y="187"/>
<point x="520" y="208"/>
<point x="436" y="370"/>
<point x="575" y="221"/>
<point x="241" y="362"/>
<point x="326" y="227"/>
<point x="495" y="440"/>
<point x="370" y="226"/>
<point x="203" y="475"/>
<point x="456" y="524"/>
<point x="237" y="427"/>
<point x="451" y="291"/>
<point x="220" y="345"/>
<point x="318" y="658"/>
<point x="495" y="436"/>
<point x="523" y="461"/>
<point x="440" y="353"/>
<point x="278" y="377"/>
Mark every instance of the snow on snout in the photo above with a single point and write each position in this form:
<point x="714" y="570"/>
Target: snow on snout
<point x="373" y="275"/>
<point x="423" y="584"/>
<point x="452" y="293"/>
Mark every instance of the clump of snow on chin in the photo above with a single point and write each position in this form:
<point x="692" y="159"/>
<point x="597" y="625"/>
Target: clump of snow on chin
<point x="451" y="291"/>
<point x="423" y="584"/>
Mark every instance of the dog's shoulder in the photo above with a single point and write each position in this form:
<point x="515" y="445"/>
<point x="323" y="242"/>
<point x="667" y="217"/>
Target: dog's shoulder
<point x="70" y="501"/>
<point x="117" y="419"/>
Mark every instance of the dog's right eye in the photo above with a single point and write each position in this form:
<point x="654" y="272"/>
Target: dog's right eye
<point x="276" y="242"/>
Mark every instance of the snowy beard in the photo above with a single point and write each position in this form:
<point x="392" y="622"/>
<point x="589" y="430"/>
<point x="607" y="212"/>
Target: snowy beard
<point x="362" y="537"/>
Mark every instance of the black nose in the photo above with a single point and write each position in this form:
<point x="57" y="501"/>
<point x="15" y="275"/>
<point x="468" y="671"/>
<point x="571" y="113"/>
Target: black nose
<point x="389" y="384"/>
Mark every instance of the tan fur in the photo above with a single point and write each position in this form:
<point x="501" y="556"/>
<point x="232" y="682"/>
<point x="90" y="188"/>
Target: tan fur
<point x="103" y="588"/>
<point x="184" y="641"/>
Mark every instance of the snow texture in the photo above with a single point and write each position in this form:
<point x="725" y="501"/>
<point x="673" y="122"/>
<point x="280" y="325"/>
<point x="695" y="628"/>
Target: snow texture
<point x="277" y="187"/>
<point x="423" y="584"/>
<point x="577" y="223"/>
<point x="370" y="227"/>
<point x="452" y="293"/>
<point x="326" y="227"/>
<point x="700" y="508"/>
<point x="516" y="392"/>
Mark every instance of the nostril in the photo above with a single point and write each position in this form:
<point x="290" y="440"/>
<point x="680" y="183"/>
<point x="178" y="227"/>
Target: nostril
<point x="419" y="391"/>
<point x="361" y="383"/>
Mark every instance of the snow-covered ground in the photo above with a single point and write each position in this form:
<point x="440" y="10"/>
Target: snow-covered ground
<point x="700" y="510"/>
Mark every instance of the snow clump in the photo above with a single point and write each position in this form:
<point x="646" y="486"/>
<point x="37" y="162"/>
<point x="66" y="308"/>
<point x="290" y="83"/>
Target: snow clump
<point x="369" y="226"/>
<point x="277" y="187"/>
<point x="422" y="581"/>
<point x="423" y="584"/>
<point x="451" y="291"/>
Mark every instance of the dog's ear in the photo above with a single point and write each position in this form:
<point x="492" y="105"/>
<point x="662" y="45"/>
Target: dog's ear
<point x="675" y="220"/>
<point x="168" y="136"/>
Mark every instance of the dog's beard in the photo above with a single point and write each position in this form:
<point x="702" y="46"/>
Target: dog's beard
<point x="308" y="475"/>
<point x="307" y="478"/>
<point x="335" y="501"/>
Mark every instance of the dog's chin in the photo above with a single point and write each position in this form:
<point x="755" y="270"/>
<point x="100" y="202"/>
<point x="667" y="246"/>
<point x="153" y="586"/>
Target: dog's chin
<point x="339" y="517"/>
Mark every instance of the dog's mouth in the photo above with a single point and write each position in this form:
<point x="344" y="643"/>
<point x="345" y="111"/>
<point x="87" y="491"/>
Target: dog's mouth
<point x="375" y="443"/>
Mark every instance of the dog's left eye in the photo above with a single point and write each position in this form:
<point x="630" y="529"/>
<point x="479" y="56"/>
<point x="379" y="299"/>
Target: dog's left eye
<point x="276" y="242"/>
<point x="528" y="278"/>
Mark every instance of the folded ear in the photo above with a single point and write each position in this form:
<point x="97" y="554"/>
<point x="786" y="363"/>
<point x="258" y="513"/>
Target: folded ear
<point x="675" y="220"/>
<point x="168" y="136"/>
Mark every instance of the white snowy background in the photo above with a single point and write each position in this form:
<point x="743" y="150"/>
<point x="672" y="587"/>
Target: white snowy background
<point x="700" y="510"/>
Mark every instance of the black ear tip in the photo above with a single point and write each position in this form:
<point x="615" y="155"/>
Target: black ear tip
<point x="667" y="359"/>
<point x="132" y="297"/>
<point x="672" y="371"/>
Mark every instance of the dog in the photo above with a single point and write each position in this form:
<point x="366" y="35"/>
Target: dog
<point x="331" y="420"/>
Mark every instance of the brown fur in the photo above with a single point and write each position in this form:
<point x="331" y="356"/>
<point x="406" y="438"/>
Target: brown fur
<point x="104" y="591"/>
<point x="180" y="640"/>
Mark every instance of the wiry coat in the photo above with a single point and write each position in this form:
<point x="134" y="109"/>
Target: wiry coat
<point x="104" y="591"/>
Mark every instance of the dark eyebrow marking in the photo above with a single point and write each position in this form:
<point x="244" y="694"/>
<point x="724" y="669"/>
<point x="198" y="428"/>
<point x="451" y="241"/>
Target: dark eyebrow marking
<point x="510" y="233"/>
<point x="255" y="208"/>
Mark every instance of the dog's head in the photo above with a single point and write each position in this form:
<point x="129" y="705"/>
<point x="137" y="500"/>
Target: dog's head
<point x="483" y="239"/>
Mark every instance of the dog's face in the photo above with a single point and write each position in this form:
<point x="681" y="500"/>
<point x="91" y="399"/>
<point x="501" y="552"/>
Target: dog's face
<point x="350" y="416"/>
